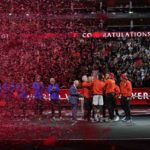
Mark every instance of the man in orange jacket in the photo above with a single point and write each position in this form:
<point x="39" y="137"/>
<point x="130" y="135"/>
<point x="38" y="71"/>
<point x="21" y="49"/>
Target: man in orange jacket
<point x="117" y="96"/>
<point x="86" y="88"/>
<point x="126" y="93"/>
<point x="110" y="93"/>
<point x="98" y="91"/>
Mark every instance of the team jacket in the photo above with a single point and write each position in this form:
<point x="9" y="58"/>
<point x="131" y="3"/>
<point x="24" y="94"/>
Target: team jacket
<point x="53" y="90"/>
<point x="126" y="88"/>
<point x="117" y="91"/>
<point x="98" y="87"/>
<point x="22" y="90"/>
<point x="86" y="89"/>
<point x="38" y="90"/>
<point x="110" y="86"/>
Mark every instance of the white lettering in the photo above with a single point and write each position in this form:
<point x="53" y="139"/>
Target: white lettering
<point x="145" y="95"/>
<point x="140" y="95"/>
<point x="134" y="95"/>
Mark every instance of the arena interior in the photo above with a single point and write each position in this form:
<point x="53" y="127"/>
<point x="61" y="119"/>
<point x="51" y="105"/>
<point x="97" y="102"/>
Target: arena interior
<point x="65" y="40"/>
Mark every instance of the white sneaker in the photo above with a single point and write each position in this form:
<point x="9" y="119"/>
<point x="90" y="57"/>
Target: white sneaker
<point x="105" y="119"/>
<point x="60" y="118"/>
<point x="123" y="119"/>
<point x="96" y="118"/>
<point x="54" y="118"/>
<point x="117" y="118"/>
<point x="101" y="120"/>
<point x="92" y="120"/>
<point x="111" y="120"/>
<point x="129" y="121"/>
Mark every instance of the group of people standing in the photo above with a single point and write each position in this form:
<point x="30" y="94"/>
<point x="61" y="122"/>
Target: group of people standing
<point x="17" y="95"/>
<point x="101" y="93"/>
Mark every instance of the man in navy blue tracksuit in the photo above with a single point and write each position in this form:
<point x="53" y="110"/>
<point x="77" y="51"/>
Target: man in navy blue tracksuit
<point x="53" y="90"/>
<point x="38" y="88"/>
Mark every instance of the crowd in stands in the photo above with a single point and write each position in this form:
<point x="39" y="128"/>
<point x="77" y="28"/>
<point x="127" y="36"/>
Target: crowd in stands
<point x="67" y="59"/>
<point x="64" y="58"/>
<point x="131" y="56"/>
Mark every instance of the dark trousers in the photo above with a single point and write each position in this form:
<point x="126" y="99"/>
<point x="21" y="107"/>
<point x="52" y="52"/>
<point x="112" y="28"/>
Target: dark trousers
<point x="116" y="107"/>
<point x="87" y="108"/>
<point x="23" y="106"/>
<point x="74" y="111"/>
<point x="125" y="104"/>
<point x="38" y="107"/>
<point x="110" y="104"/>
<point x="54" y="104"/>
<point x="104" y="107"/>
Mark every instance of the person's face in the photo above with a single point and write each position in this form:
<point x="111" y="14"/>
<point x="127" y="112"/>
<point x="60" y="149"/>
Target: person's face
<point x="77" y="83"/>
<point x="103" y="76"/>
<point x="121" y="79"/>
<point x="38" y="79"/>
<point x="52" y="81"/>
<point x="90" y="79"/>
<point x="85" y="78"/>
<point x="22" y="80"/>
<point x="107" y="76"/>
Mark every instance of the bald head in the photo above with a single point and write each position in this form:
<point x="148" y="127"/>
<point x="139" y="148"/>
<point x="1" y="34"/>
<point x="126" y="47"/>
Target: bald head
<point x="84" y="78"/>
<point x="107" y="75"/>
<point x="90" y="78"/>
<point x="52" y="81"/>
<point x="22" y="80"/>
<point x="38" y="78"/>
<point x="76" y="83"/>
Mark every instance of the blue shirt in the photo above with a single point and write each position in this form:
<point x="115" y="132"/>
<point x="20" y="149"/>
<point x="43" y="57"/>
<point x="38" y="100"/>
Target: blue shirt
<point x="53" y="90"/>
<point x="21" y="89"/>
<point x="38" y="90"/>
<point x="7" y="89"/>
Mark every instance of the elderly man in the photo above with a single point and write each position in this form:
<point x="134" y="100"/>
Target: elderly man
<point x="53" y="90"/>
<point x="74" y="98"/>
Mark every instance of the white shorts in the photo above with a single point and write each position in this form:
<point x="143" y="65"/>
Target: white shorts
<point x="98" y="100"/>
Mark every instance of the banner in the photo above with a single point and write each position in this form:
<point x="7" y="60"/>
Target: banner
<point x="115" y="34"/>
<point x="140" y="96"/>
<point x="88" y="35"/>
<point x="84" y="35"/>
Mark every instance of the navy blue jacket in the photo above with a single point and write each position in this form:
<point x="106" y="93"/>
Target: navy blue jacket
<point x="38" y="90"/>
<point x="53" y="90"/>
<point x="74" y="95"/>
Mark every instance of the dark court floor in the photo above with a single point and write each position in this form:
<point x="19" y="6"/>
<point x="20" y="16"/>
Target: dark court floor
<point x="46" y="133"/>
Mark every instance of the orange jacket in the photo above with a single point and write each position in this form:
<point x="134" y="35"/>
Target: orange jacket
<point x="86" y="87"/>
<point x="126" y="88"/>
<point x="110" y="86"/>
<point x="98" y="87"/>
<point x="117" y="91"/>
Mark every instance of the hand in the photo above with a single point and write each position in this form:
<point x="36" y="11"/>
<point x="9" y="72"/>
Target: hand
<point x="81" y="98"/>
<point x="129" y="98"/>
<point x="54" y="88"/>
<point x="119" y="96"/>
